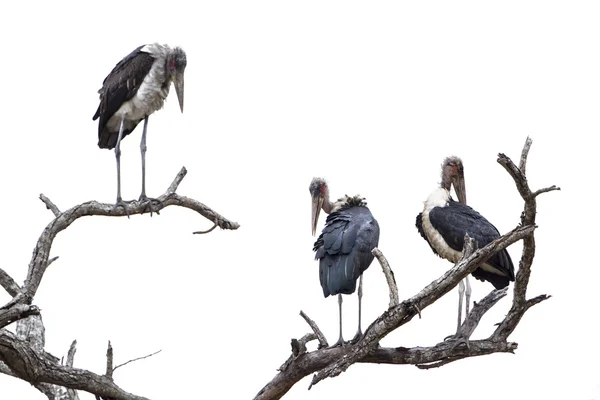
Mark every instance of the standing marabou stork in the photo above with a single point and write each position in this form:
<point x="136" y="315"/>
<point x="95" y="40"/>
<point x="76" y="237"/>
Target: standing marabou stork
<point x="136" y="87"/>
<point x="344" y="246"/>
<point x="444" y="222"/>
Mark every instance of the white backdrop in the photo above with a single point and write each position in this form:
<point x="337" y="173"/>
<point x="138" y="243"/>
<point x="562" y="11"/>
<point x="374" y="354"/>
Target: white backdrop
<point x="371" y="96"/>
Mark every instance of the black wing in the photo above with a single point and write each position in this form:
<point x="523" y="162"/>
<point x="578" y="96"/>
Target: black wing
<point x="119" y="86"/>
<point x="344" y="249"/>
<point x="456" y="219"/>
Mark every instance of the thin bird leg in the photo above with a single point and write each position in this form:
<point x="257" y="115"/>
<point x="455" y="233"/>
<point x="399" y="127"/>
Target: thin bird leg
<point x="461" y="293"/>
<point x="120" y="202"/>
<point x="143" y="149"/>
<point x="458" y="337"/>
<point x="467" y="297"/>
<point x="340" y="341"/>
<point x="149" y="202"/>
<point x="359" y="333"/>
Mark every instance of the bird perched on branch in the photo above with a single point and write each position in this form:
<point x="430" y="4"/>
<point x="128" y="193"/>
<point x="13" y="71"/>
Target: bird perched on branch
<point x="344" y="246"/>
<point x="136" y="87"/>
<point x="444" y="223"/>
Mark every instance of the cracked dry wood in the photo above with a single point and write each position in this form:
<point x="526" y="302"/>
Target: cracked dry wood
<point x="22" y="355"/>
<point x="331" y="362"/>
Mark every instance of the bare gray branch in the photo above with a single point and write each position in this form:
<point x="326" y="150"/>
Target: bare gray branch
<point x="332" y="362"/>
<point x="313" y="325"/>
<point x="136" y="359"/>
<point x="50" y="205"/>
<point x="8" y="283"/>
<point x="39" y="367"/>
<point x="389" y="276"/>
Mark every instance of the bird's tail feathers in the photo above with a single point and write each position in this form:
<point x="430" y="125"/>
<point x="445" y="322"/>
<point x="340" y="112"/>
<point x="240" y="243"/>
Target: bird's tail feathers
<point x="339" y="273"/>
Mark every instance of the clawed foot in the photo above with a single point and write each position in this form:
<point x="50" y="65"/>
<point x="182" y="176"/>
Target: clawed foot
<point x="339" y="343"/>
<point x="124" y="204"/>
<point x="356" y="337"/>
<point x="150" y="204"/>
<point x="458" y="339"/>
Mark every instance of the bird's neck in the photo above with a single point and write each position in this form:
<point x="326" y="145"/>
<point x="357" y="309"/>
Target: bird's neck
<point x="327" y="204"/>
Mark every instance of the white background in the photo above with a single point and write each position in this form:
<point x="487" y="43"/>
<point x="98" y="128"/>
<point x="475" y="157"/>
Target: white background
<point x="370" y="95"/>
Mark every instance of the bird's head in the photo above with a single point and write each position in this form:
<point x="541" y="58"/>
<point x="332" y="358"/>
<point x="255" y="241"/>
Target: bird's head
<point x="453" y="174"/>
<point x="176" y="63"/>
<point x="319" y="192"/>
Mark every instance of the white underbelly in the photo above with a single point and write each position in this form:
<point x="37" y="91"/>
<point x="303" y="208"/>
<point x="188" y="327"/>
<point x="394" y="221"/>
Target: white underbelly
<point x="437" y="241"/>
<point x="148" y="99"/>
<point x="443" y="249"/>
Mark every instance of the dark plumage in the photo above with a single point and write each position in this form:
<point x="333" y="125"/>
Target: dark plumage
<point x="119" y="86"/>
<point x="456" y="219"/>
<point x="344" y="248"/>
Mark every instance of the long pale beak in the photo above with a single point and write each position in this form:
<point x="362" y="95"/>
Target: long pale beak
<point x="178" y="81"/>
<point x="317" y="204"/>
<point x="460" y="189"/>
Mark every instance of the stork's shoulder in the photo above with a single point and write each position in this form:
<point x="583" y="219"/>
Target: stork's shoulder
<point x="463" y="217"/>
<point x="132" y="67"/>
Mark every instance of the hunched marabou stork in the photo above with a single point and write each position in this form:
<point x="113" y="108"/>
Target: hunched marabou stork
<point x="444" y="222"/>
<point x="344" y="246"/>
<point x="136" y="87"/>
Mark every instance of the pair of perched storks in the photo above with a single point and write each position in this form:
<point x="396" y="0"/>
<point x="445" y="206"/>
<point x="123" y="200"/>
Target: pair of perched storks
<point x="138" y="86"/>
<point x="351" y="232"/>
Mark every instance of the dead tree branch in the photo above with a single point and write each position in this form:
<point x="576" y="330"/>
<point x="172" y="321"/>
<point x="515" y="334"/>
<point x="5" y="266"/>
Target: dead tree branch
<point x="136" y="359"/>
<point x="23" y="355"/>
<point x="313" y="325"/>
<point x="389" y="276"/>
<point x="330" y="362"/>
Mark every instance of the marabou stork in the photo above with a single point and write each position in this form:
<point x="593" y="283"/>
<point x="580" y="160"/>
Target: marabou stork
<point x="136" y="87"/>
<point x="444" y="222"/>
<point x="344" y="246"/>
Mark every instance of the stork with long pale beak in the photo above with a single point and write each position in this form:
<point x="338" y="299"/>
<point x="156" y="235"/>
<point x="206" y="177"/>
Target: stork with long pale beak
<point x="344" y="246"/>
<point x="136" y="87"/>
<point x="444" y="223"/>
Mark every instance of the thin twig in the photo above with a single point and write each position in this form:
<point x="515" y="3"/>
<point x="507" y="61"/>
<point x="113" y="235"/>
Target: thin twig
<point x="175" y="184"/>
<point x="136" y="359"/>
<point x="524" y="155"/>
<point x="545" y="190"/>
<point x="206" y="231"/>
<point x="50" y="205"/>
<point x="313" y="325"/>
<point x="389" y="276"/>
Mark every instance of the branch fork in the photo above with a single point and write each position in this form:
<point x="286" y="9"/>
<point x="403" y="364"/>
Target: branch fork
<point x="23" y="355"/>
<point x="326" y="362"/>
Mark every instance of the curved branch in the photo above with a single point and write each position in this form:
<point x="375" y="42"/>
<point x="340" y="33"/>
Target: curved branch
<point x="389" y="276"/>
<point x="332" y="362"/>
<point x="39" y="261"/>
<point x="39" y="367"/>
<point x="23" y="355"/>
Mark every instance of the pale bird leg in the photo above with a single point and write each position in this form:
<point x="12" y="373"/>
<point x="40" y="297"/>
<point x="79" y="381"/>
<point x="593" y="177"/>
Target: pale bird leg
<point x="340" y="341"/>
<point x="359" y="333"/>
<point x="120" y="202"/>
<point x="149" y="202"/>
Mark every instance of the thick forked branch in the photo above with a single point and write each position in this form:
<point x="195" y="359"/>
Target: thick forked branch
<point x="35" y="366"/>
<point x="331" y="362"/>
<point x="23" y="355"/>
<point x="39" y="261"/>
